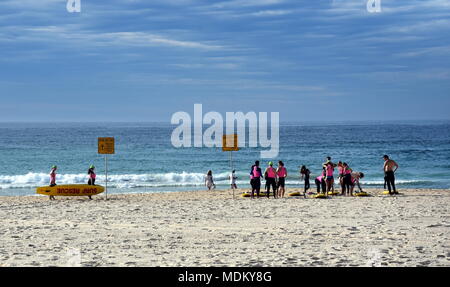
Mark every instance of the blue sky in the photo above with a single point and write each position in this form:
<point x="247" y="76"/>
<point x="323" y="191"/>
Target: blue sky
<point x="136" y="60"/>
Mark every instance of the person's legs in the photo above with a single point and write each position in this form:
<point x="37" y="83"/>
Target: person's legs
<point x="324" y="187"/>
<point x="318" y="185"/>
<point x="391" y="181"/>
<point x="388" y="182"/>
<point x="257" y="186"/>
<point x="275" y="189"/>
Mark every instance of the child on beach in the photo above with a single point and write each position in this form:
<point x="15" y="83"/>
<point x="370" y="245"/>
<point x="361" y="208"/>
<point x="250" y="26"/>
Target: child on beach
<point x="53" y="179"/>
<point x="92" y="175"/>
<point x="209" y="180"/>
<point x="305" y="174"/>
<point x="233" y="180"/>
<point x="281" y="174"/>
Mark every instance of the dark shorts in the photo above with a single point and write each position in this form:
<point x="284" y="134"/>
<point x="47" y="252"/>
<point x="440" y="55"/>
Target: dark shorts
<point x="330" y="178"/>
<point x="281" y="181"/>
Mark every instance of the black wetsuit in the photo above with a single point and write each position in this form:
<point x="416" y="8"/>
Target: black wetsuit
<point x="389" y="178"/>
<point x="255" y="182"/>
<point x="307" y="185"/>
<point x="322" y="184"/>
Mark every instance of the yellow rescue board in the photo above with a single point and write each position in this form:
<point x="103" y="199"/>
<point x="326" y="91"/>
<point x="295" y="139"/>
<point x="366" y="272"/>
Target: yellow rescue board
<point x="71" y="190"/>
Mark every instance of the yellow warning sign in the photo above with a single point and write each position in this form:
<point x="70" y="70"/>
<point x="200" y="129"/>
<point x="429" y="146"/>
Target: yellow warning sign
<point x="106" y="146"/>
<point x="230" y="142"/>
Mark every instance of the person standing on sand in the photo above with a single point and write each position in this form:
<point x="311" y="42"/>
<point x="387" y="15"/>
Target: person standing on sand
<point x="330" y="176"/>
<point x="340" y="167"/>
<point x="233" y="178"/>
<point x="271" y="180"/>
<point x="209" y="180"/>
<point x="255" y="179"/>
<point x="347" y="180"/>
<point x="53" y="179"/>
<point x="282" y="174"/>
<point x="390" y="167"/>
<point x="304" y="175"/>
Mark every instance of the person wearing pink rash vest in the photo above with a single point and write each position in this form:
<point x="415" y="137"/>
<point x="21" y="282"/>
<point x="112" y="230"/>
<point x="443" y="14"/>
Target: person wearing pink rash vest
<point x="271" y="180"/>
<point x="281" y="174"/>
<point x="53" y="179"/>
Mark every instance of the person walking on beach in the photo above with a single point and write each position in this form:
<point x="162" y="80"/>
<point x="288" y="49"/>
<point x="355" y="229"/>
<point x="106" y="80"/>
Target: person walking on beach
<point x="233" y="178"/>
<point x="281" y="174"/>
<point x="390" y="167"/>
<point x="255" y="179"/>
<point x="305" y="175"/>
<point x="53" y="175"/>
<point x="53" y="179"/>
<point x="92" y="175"/>
<point x="271" y="180"/>
<point x="209" y="180"/>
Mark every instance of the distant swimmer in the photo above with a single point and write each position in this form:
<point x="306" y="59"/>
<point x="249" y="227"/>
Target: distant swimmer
<point x="53" y="179"/>
<point x="271" y="180"/>
<point x="281" y="174"/>
<point x="255" y="179"/>
<point x="390" y="167"/>
<point x="209" y="180"/>
<point x="305" y="175"/>
<point x="233" y="179"/>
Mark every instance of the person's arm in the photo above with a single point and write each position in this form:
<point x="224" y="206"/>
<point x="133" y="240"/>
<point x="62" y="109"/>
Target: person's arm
<point x="396" y="166"/>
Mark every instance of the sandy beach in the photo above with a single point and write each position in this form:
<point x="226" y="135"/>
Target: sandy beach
<point x="201" y="228"/>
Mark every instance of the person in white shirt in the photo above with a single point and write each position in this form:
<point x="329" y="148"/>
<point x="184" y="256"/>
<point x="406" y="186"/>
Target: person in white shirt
<point x="233" y="178"/>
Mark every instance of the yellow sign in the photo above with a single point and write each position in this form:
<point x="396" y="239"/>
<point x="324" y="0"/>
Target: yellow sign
<point x="230" y="142"/>
<point x="106" y="145"/>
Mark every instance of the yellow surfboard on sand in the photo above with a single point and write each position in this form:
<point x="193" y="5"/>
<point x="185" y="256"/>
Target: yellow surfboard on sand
<point x="70" y="190"/>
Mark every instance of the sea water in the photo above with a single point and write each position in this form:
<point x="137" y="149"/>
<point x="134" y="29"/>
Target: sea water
<point x="146" y="161"/>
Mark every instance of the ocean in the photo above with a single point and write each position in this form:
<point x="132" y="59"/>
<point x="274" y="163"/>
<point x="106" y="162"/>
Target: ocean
<point x="146" y="161"/>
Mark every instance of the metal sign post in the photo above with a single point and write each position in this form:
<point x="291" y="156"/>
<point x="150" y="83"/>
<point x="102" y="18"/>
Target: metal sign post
<point x="106" y="146"/>
<point x="230" y="143"/>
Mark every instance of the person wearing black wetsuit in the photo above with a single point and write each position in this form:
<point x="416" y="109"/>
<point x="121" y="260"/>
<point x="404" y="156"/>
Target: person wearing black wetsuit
<point x="255" y="181"/>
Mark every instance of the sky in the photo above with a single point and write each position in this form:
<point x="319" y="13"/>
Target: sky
<point x="137" y="60"/>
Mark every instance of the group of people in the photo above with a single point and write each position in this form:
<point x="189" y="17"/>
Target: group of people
<point x="347" y="178"/>
<point x="275" y="178"/>
<point x="91" y="180"/>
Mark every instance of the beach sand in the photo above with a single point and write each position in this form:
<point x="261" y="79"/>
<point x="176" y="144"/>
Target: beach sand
<point x="202" y="228"/>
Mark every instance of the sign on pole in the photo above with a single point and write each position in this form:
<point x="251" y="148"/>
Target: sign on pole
<point x="230" y="143"/>
<point x="106" y="146"/>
